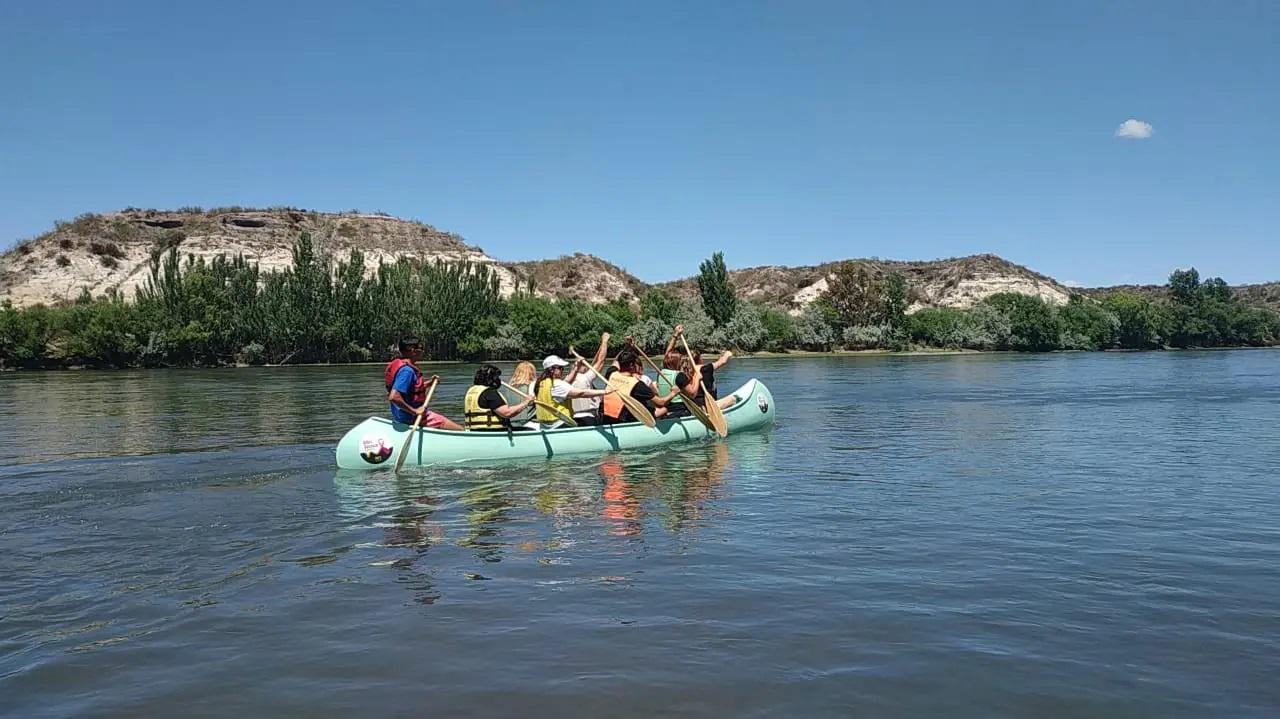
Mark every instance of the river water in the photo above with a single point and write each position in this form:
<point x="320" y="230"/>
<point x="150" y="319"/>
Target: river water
<point x="994" y="535"/>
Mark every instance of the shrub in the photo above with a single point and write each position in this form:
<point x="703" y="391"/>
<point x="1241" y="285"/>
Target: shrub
<point x="1140" y="322"/>
<point x="62" y="261"/>
<point x="106" y="249"/>
<point x="24" y="248"/>
<point x="108" y="262"/>
<point x="1033" y="324"/>
<point x="947" y="328"/>
<point x="347" y="231"/>
<point x="779" y="327"/>
<point x="1086" y="325"/>
<point x="813" y="331"/>
<point x="252" y="354"/>
<point x="171" y="238"/>
<point x="744" y="330"/>
<point x="66" y="243"/>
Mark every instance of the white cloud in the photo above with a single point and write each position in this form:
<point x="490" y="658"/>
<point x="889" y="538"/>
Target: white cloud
<point x="1132" y="129"/>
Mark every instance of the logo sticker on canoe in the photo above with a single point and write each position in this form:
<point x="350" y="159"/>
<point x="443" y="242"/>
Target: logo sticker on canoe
<point x="374" y="449"/>
<point x="763" y="403"/>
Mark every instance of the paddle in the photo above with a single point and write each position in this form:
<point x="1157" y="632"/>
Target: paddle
<point x="694" y="409"/>
<point x="633" y="405"/>
<point x="713" y="407"/>
<point x="549" y="407"/>
<point x="404" y="451"/>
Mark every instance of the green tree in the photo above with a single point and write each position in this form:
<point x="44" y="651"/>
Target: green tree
<point x="895" y="300"/>
<point x="1033" y="323"/>
<point x="1086" y="325"/>
<point x="1140" y="321"/>
<point x="779" y="327"/>
<point x="1184" y="286"/>
<point x="718" y="298"/>
<point x="854" y="296"/>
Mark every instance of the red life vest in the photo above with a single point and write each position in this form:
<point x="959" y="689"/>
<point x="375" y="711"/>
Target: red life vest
<point x="418" y="394"/>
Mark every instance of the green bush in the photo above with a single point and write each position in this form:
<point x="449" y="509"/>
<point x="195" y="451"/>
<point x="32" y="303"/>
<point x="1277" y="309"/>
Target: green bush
<point x="1033" y="323"/>
<point x="1087" y="325"/>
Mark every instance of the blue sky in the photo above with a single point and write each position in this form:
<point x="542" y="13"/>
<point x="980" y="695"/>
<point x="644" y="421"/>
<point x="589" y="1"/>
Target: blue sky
<point x="652" y="134"/>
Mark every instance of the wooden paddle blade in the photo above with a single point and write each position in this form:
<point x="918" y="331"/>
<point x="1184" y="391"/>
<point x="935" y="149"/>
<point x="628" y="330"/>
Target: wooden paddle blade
<point x="404" y="450"/>
<point x="715" y="414"/>
<point x="638" y="410"/>
<point x="408" y="442"/>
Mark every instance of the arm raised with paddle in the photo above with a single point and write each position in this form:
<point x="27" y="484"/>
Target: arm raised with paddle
<point x="694" y="409"/>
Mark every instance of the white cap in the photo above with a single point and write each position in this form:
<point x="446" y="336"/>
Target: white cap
<point x="553" y="361"/>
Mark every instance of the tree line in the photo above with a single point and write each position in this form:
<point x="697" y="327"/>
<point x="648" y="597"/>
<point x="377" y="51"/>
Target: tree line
<point x="224" y="311"/>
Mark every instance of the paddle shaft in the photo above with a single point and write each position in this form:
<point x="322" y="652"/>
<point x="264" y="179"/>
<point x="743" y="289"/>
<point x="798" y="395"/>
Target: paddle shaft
<point x="633" y="405"/>
<point x="714" y="413"/>
<point x="694" y="409"/>
<point x="404" y="451"/>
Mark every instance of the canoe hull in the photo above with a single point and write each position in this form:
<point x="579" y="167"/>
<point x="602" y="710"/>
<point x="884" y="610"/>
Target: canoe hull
<point x="373" y="443"/>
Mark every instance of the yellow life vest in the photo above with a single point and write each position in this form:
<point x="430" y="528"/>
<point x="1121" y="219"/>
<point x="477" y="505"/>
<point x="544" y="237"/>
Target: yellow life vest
<point x="546" y="416"/>
<point x="623" y="384"/>
<point x="478" y="417"/>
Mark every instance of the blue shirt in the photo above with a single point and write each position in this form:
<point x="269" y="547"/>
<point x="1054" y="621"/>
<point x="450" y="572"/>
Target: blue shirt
<point x="405" y="379"/>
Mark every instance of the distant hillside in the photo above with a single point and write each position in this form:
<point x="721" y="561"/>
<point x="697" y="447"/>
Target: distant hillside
<point x="579" y="276"/>
<point x="957" y="282"/>
<point x="112" y="252"/>
<point x="1265" y="295"/>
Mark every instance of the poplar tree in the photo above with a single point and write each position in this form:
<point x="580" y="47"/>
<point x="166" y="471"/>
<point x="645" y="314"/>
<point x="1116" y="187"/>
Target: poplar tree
<point x="718" y="298"/>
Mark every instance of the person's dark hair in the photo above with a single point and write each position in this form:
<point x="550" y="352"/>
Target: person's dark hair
<point x="489" y="376"/>
<point x="537" y="384"/>
<point x="628" y="358"/>
<point x="408" y="343"/>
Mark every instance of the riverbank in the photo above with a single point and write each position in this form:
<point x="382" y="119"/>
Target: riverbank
<point x="791" y="354"/>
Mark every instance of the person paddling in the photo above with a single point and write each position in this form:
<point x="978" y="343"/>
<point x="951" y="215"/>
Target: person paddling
<point x="522" y="378"/>
<point x="626" y="377"/>
<point x="554" y="390"/>
<point x="678" y="372"/>
<point x="586" y="410"/>
<point x="407" y="388"/>
<point x="484" y="407"/>
<point x="706" y="372"/>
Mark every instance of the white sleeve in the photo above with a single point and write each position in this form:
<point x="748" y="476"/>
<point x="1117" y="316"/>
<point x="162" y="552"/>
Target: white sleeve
<point x="560" y="390"/>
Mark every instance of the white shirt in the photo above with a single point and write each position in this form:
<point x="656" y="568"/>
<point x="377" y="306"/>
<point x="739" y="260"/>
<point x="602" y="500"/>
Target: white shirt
<point x="584" y="406"/>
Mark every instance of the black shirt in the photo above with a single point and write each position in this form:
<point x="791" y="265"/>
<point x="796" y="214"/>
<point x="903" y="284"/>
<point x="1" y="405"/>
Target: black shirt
<point x="491" y="399"/>
<point x="640" y="392"/>
<point x="708" y="379"/>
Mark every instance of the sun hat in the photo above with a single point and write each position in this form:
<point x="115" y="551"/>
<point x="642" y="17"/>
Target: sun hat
<point x="553" y="361"/>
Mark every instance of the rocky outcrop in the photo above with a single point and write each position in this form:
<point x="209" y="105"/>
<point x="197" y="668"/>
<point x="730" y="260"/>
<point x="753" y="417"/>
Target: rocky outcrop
<point x="59" y="265"/>
<point x="957" y="283"/>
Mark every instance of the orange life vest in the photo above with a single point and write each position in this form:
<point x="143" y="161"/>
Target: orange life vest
<point x="622" y="383"/>
<point x="418" y="394"/>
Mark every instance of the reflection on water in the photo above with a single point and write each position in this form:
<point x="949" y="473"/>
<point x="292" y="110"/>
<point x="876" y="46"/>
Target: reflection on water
<point x="488" y="511"/>
<point x="1089" y="535"/>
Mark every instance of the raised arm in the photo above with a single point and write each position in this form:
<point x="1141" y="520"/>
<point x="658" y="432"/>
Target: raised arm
<point x="671" y="343"/>
<point x="723" y="359"/>
<point x="597" y="362"/>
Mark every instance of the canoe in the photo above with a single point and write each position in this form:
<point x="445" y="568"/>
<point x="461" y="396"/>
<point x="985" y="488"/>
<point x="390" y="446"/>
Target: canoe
<point x="373" y="442"/>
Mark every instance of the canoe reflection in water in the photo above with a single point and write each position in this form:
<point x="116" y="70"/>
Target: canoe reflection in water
<point x="436" y="528"/>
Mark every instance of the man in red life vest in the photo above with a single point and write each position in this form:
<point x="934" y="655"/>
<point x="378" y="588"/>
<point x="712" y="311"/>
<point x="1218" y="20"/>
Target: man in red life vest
<point x="407" y="389"/>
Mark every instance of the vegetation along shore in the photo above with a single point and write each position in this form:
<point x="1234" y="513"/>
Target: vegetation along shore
<point x="189" y="309"/>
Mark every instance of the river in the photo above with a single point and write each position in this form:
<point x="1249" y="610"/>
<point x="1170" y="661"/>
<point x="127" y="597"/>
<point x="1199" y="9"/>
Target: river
<point x="974" y="535"/>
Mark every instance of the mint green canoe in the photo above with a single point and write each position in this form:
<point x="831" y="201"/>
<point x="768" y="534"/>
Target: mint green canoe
<point x="373" y="442"/>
